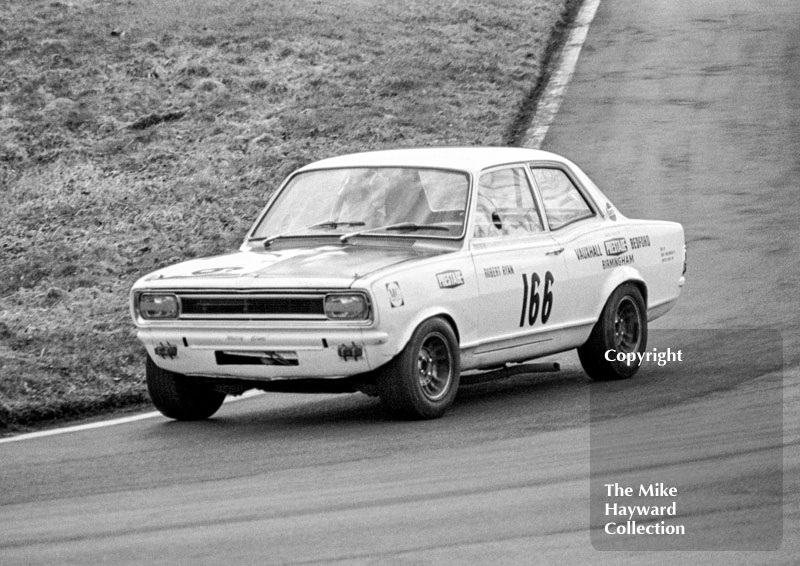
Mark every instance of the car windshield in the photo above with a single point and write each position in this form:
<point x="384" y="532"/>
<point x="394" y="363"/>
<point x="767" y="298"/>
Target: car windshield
<point x="395" y="201"/>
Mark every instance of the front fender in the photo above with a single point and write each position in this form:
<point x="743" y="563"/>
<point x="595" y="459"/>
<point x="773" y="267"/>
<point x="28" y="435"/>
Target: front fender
<point x="400" y="332"/>
<point x="424" y="315"/>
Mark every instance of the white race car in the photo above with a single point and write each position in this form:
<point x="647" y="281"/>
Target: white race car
<point x="392" y="272"/>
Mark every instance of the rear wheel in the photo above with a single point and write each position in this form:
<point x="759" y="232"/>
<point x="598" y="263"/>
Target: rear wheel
<point x="622" y="329"/>
<point x="421" y="381"/>
<point x="180" y="397"/>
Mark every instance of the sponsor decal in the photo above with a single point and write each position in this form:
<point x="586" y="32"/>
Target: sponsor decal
<point x="395" y="295"/>
<point x="450" y="279"/>
<point x="588" y="252"/>
<point x="617" y="261"/>
<point x="246" y="339"/>
<point x="498" y="271"/>
<point x="667" y="255"/>
<point x="640" y="242"/>
<point x="616" y="246"/>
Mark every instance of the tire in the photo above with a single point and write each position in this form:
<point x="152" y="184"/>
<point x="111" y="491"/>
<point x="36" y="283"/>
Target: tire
<point x="421" y="381"/>
<point x="622" y="327"/>
<point x="180" y="397"/>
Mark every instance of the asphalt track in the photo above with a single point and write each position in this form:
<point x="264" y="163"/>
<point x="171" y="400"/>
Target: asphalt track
<point x="679" y="110"/>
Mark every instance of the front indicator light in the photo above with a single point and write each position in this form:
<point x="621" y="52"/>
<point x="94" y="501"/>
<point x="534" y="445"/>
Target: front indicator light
<point x="158" y="306"/>
<point x="346" y="307"/>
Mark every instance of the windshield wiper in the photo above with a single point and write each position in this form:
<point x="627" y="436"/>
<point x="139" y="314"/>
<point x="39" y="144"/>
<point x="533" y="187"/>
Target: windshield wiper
<point x="410" y="226"/>
<point x="413" y="227"/>
<point x="327" y="224"/>
<point x="334" y="224"/>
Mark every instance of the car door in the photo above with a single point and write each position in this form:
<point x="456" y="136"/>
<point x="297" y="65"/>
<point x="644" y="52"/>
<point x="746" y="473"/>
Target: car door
<point x="592" y="244"/>
<point x="519" y="268"/>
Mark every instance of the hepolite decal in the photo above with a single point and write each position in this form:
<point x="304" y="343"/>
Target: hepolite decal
<point x="450" y="279"/>
<point x="395" y="295"/>
<point x="617" y="261"/>
<point x="640" y="242"/>
<point x="588" y="252"/>
<point x="616" y="246"/>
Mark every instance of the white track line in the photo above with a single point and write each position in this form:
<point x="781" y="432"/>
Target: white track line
<point x="546" y="111"/>
<point x="78" y="428"/>
<point x="103" y="424"/>
<point x="551" y="99"/>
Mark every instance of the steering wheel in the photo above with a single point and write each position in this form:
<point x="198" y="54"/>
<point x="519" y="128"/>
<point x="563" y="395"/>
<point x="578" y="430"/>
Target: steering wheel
<point x="488" y="208"/>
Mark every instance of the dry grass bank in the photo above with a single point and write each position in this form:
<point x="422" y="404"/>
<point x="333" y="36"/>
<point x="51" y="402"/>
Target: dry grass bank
<point x="136" y="133"/>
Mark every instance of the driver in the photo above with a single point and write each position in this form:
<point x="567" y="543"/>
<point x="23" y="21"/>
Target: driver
<point x="362" y="198"/>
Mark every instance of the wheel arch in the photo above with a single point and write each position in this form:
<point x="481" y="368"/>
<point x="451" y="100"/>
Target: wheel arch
<point x="421" y="317"/>
<point x="412" y="385"/>
<point x="621" y="277"/>
<point x="620" y="328"/>
<point x="640" y="284"/>
<point x="452" y="322"/>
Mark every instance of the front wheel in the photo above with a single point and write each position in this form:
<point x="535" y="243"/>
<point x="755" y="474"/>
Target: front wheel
<point x="422" y="380"/>
<point x="621" y="330"/>
<point x="180" y="397"/>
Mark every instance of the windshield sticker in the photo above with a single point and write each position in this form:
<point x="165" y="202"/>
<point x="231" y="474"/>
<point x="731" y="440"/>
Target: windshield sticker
<point x="640" y="242"/>
<point x="450" y="279"/>
<point x="617" y="246"/>
<point x="395" y="295"/>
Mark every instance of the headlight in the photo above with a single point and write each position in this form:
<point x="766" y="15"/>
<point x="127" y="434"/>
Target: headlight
<point x="158" y="306"/>
<point x="342" y="306"/>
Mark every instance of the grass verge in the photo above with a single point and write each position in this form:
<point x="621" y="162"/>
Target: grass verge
<point x="134" y="134"/>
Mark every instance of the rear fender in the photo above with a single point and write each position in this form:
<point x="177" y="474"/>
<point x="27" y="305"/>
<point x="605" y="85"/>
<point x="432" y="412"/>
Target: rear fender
<point x="625" y="274"/>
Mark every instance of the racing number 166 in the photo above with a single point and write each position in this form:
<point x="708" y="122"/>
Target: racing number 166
<point x="531" y="299"/>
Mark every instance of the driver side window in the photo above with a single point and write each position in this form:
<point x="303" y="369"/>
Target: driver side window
<point x="505" y="206"/>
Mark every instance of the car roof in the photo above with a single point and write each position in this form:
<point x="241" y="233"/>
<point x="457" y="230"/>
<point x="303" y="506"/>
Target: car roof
<point x="461" y="158"/>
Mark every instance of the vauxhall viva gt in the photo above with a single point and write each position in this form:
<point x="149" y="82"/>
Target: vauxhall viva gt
<point x="392" y="272"/>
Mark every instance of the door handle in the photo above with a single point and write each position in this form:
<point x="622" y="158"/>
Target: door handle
<point x="555" y="251"/>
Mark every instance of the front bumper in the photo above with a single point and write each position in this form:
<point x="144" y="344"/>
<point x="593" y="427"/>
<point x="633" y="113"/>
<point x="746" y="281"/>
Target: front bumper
<point x="267" y="354"/>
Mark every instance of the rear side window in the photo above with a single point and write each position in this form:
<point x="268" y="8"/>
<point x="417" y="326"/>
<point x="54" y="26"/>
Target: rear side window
<point x="563" y="202"/>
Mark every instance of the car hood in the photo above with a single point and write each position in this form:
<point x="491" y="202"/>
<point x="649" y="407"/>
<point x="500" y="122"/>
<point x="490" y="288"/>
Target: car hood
<point x="317" y="267"/>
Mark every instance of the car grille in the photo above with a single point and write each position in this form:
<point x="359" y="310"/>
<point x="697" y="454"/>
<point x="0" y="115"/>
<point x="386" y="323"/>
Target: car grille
<point x="253" y="306"/>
